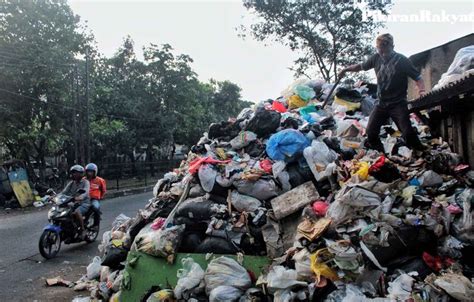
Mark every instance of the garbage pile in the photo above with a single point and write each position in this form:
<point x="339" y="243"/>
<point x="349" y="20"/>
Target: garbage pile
<point x="461" y="67"/>
<point x="293" y="181"/>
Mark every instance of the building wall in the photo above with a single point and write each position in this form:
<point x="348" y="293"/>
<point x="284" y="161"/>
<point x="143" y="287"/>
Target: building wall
<point x="434" y="62"/>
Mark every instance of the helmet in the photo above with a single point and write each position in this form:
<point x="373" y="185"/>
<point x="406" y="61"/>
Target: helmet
<point x="92" y="167"/>
<point x="77" y="168"/>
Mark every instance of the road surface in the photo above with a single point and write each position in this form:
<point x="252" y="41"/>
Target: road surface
<point x="22" y="269"/>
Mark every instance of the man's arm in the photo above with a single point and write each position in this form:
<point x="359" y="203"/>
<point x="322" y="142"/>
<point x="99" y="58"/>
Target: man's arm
<point x="352" y="68"/>
<point x="367" y="65"/>
<point x="86" y="187"/>
<point x="103" y="188"/>
<point x="66" y="188"/>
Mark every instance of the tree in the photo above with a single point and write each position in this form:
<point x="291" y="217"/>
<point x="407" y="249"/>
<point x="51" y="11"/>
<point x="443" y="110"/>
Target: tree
<point x="327" y="34"/>
<point x="38" y="44"/>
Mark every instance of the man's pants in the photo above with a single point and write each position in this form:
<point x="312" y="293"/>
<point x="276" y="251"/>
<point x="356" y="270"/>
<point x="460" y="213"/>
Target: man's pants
<point x="400" y="115"/>
<point x="96" y="204"/>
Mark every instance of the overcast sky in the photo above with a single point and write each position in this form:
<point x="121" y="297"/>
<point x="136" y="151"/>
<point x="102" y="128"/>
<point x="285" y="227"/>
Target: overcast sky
<point x="205" y="30"/>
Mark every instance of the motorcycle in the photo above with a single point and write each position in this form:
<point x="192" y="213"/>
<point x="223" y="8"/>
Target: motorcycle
<point x="64" y="228"/>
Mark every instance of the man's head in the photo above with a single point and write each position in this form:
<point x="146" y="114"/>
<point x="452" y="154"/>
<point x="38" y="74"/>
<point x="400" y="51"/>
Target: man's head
<point x="384" y="44"/>
<point x="91" y="170"/>
<point x="77" y="172"/>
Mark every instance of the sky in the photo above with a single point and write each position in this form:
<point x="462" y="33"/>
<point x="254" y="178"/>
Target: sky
<point x="206" y="31"/>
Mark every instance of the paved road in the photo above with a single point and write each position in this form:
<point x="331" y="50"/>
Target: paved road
<point x="22" y="269"/>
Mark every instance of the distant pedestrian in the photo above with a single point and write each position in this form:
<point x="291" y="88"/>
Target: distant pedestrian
<point x="63" y="171"/>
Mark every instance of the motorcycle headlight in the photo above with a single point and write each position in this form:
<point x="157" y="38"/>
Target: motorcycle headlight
<point x="63" y="213"/>
<point x="51" y="213"/>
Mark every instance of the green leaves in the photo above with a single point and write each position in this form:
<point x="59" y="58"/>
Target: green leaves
<point x="325" y="34"/>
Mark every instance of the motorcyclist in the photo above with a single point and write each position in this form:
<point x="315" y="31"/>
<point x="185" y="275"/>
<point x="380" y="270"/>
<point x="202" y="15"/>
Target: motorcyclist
<point x="77" y="184"/>
<point x="97" y="185"/>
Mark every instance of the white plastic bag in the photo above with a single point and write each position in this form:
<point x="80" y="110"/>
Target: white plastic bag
<point x="119" y="221"/>
<point x="226" y="271"/>
<point x="225" y="293"/>
<point x="462" y="65"/>
<point x="243" y="140"/>
<point x="207" y="176"/>
<point x="430" y="179"/>
<point x="244" y="203"/>
<point x="303" y="264"/>
<point x="281" y="278"/>
<point x="93" y="269"/>
<point x="400" y="289"/>
<point x="189" y="276"/>
<point x="319" y="156"/>
<point x="162" y="242"/>
<point x="106" y="237"/>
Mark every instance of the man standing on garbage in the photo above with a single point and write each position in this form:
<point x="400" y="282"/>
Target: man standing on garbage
<point x="392" y="70"/>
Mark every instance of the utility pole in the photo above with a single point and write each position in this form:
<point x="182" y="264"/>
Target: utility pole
<point x="88" y="140"/>
<point x="74" y="94"/>
<point x="79" y="140"/>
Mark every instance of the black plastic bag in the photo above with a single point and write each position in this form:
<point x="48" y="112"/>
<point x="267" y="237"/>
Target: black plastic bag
<point x="197" y="211"/>
<point x="264" y="122"/>
<point x="255" y="149"/>
<point x="216" y="245"/>
<point x="113" y="257"/>
<point x="299" y="173"/>
<point x="223" y="130"/>
<point x="349" y="95"/>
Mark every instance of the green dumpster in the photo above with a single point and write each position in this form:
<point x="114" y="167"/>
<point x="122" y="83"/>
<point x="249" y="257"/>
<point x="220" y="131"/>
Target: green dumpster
<point x="143" y="272"/>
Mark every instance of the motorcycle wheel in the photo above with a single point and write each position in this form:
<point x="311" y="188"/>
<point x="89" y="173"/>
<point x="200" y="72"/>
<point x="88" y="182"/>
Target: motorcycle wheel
<point x="49" y="244"/>
<point x="92" y="228"/>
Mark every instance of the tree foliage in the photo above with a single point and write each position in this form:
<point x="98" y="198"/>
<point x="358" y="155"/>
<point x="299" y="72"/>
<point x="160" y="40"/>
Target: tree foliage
<point x="134" y="104"/>
<point x="326" y="34"/>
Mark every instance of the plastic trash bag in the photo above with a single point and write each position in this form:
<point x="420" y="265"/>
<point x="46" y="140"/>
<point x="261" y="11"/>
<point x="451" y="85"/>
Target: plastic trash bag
<point x="286" y="145"/>
<point x="400" y="289"/>
<point x="319" y="266"/>
<point x="303" y="265"/>
<point x="225" y="293"/>
<point x="207" y="176"/>
<point x="281" y="278"/>
<point x="188" y="277"/>
<point x="226" y="271"/>
<point x="261" y="189"/>
<point x="164" y="295"/>
<point x="351" y="201"/>
<point x="318" y="157"/>
<point x="462" y="64"/>
<point x="244" y="203"/>
<point x="430" y="179"/>
<point x="264" y="122"/>
<point x="119" y="221"/>
<point x="289" y="91"/>
<point x="243" y="140"/>
<point x="304" y="92"/>
<point x="295" y="101"/>
<point x="105" y="241"/>
<point x="162" y="242"/>
<point x="93" y="269"/>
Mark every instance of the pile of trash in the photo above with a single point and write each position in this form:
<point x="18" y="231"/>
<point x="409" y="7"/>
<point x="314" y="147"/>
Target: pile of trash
<point x="292" y="181"/>
<point x="461" y="67"/>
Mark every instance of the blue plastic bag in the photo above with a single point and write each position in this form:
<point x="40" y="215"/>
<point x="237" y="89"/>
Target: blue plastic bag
<point x="286" y="145"/>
